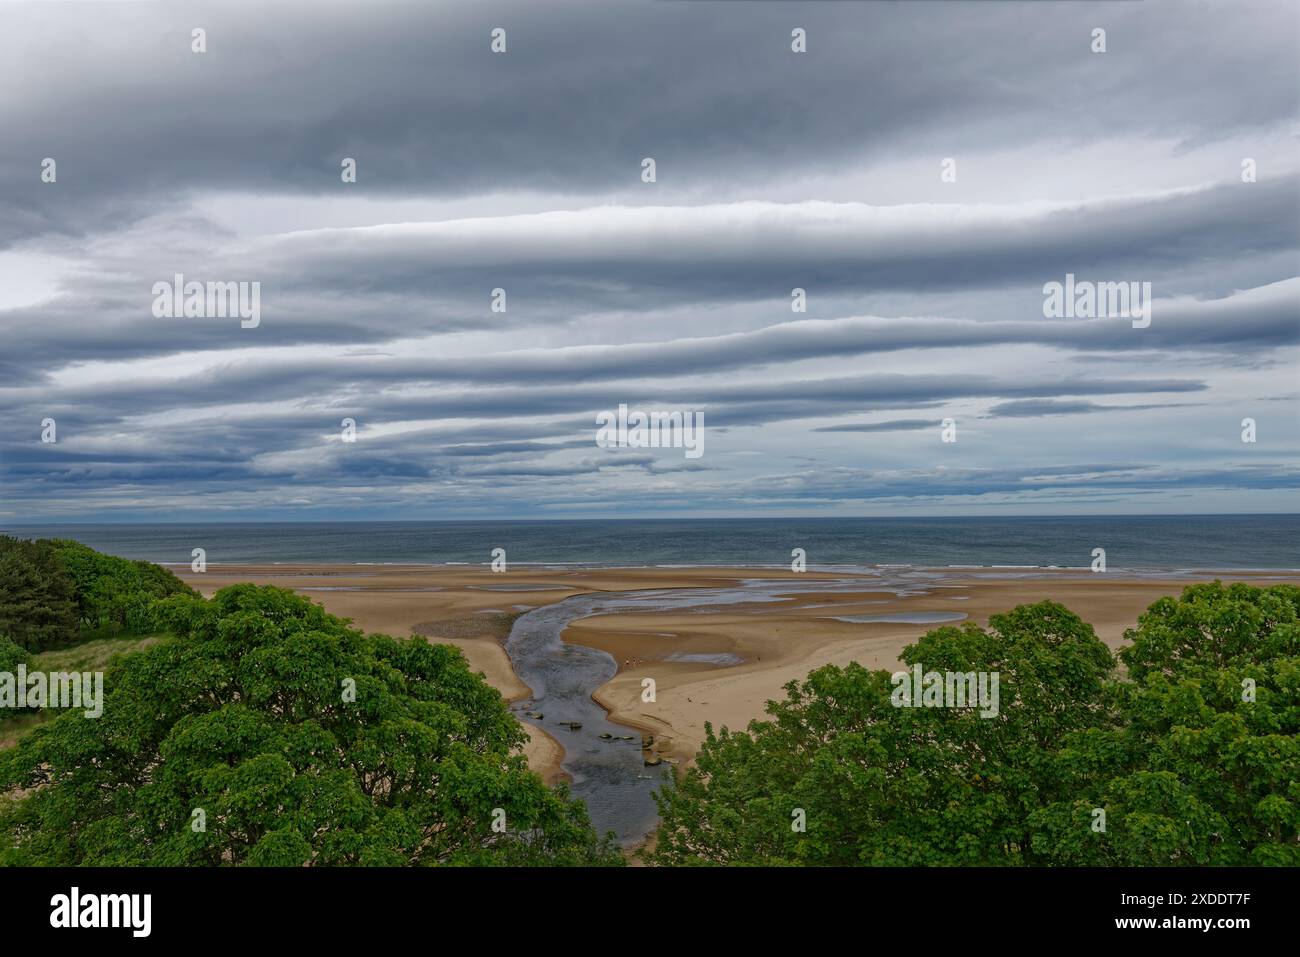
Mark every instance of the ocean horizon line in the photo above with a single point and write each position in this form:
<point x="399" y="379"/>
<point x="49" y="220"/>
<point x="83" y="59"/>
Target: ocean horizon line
<point x="812" y="569"/>
<point x="1228" y="542"/>
<point x="633" y="519"/>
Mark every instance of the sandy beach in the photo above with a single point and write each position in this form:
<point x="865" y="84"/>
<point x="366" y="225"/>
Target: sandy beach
<point x="713" y="664"/>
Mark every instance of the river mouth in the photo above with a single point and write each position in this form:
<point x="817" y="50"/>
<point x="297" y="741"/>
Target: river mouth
<point x="605" y="758"/>
<point x="609" y="773"/>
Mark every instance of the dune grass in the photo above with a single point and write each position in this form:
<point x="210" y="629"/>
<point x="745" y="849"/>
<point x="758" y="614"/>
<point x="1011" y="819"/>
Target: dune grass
<point x="96" y="655"/>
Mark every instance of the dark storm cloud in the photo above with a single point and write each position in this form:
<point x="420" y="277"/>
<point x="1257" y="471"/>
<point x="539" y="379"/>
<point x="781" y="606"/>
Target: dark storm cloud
<point x="371" y="285"/>
<point x="1082" y="483"/>
<point x="1034" y="408"/>
<point x="892" y="425"/>
<point x="734" y="250"/>
<point x="586" y="90"/>
<point x="730" y="404"/>
<point x="522" y="171"/>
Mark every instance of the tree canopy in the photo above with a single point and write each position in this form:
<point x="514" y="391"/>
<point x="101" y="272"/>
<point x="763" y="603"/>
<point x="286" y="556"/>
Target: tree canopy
<point x="270" y="732"/>
<point x="1201" y="764"/>
<point x="115" y="594"/>
<point x="1190" y="758"/>
<point x="55" y="592"/>
<point x="37" y="599"/>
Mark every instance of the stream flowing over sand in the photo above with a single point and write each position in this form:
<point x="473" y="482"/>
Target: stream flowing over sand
<point x="609" y="773"/>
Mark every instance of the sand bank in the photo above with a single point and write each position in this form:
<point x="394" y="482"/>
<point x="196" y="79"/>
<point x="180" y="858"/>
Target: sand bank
<point x="717" y="664"/>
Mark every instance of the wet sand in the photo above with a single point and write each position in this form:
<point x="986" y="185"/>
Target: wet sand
<point x="710" y="662"/>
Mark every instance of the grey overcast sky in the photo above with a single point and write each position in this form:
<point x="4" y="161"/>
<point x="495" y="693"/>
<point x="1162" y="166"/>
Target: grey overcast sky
<point x="522" y="170"/>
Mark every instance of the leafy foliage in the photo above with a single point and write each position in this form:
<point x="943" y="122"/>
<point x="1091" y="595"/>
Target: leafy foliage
<point x="11" y="656"/>
<point x="244" y="717"/>
<point x="1185" y="770"/>
<point x="55" y="592"/>
<point x="114" y="594"/>
<point x="37" y="607"/>
<point x="1203" y="766"/>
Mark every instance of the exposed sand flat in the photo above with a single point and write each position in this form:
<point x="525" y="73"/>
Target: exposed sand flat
<point x="783" y="643"/>
<point x="690" y="653"/>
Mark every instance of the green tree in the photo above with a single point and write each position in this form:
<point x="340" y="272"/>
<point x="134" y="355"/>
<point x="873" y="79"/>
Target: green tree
<point x="880" y="784"/>
<point x="112" y="593"/>
<point x="1203" y="765"/>
<point x="1192" y="758"/>
<point x="246" y="724"/>
<point x="11" y="656"/>
<point x="37" y="609"/>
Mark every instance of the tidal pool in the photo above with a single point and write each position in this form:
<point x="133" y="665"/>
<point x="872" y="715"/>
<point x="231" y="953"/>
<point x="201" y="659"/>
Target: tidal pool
<point x="905" y="618"/>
